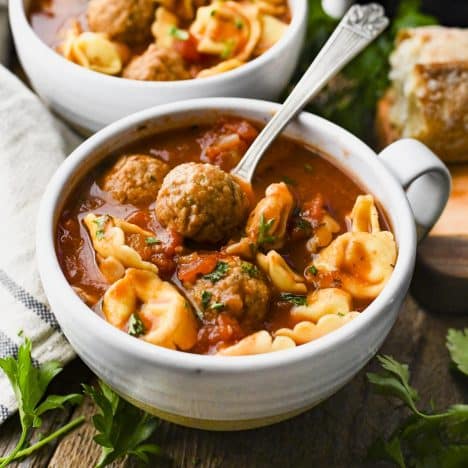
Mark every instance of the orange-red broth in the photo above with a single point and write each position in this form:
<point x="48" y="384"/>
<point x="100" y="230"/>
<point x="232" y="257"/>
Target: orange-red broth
<point x="316" y="184"/>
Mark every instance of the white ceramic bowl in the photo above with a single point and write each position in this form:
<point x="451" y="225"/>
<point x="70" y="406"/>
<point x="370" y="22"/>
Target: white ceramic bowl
<point x="91" y="100"/>
<point x="217" y="392"/>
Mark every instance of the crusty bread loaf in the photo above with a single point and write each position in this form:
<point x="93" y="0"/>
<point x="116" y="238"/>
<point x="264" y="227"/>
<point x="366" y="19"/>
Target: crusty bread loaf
<point x="428" y="97"/>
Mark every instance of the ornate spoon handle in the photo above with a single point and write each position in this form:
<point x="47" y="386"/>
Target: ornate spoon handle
<point x="358" y="28"/>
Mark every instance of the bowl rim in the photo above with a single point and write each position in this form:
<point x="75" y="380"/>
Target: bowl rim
<point x="17" y="10"/>
<point x="53" y="278"/>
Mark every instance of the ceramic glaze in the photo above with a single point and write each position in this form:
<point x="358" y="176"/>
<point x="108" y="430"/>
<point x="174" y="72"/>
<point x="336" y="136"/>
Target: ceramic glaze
<point x="91" y="100"/>
<point x="247" y="391"/>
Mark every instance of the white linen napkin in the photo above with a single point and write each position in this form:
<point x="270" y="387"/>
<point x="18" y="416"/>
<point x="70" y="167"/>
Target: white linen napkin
<point x="32" y="145"/>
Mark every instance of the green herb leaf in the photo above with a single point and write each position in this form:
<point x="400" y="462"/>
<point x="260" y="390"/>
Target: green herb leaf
<point x="29" y="385"/>
<point x="288" y="180"/>
<point x="152" y="240"/>
<point x="101" y="222"/>
<point x="228" y="48"/>
<point x="122" y="428"/>
<point x="457" y="344"/>
<point x="205" y="298"/>
<point x="435" y="439"/>
<point x="239" y="23"/>
<point x="350" y="99"/>
<point x="395" y="381"/>
<point x="295" y="299"/>
<point x="264" y="227"/>
<point x="177" y="33"/>
<point x="217" y="306"/>
<point x="312" y="270"/>
<point x="250" y="269"/>
<point x="218" y="273"/>
<point x="303" y="224"/>
<point x="135" y="326"/>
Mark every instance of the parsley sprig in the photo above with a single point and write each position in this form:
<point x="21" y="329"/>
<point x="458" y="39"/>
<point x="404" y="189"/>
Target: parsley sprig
<point x="29" y="385"/>
<point x="122" y="428"/>
<point x="457" y="344"/>
<point x="295" y="299"/>
<point x="264" y="234"/>
<point x="424" y="439"/>
<point x="100" y="223"/>
<point x="136" y="327"/>
<point x="220" y="271"/>
<point x="250" y="269"/>
<point x="177" y="33"/>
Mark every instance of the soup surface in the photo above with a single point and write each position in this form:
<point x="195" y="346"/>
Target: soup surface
<point x="167" y="246"/>
<point x="160" y="41"/>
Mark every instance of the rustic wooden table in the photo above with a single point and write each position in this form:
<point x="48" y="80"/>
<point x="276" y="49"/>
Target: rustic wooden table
<point x="334" y="434"/>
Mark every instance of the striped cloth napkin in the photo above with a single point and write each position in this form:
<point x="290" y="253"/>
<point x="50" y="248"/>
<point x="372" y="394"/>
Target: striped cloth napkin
<point x="32" y="145"/>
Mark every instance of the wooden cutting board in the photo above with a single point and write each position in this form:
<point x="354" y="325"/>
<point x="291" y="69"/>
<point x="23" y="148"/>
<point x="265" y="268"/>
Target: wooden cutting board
<point x="440" y="283"/>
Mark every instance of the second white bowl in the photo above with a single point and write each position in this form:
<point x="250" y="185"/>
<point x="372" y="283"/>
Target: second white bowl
<point x="91" y="100"/>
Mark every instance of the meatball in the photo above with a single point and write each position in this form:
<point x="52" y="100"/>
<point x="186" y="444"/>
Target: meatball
<point x="157" y="64"/>
<point x="135" y="179"/>
<point x="201" y="202"/>
<point x="235" y="287"/>
<point x="127" y="21"/>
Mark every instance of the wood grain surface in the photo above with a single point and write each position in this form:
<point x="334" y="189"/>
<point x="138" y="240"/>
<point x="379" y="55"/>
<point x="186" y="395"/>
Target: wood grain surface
<point x="440" y="281"/>
<point x="334" y="434"/>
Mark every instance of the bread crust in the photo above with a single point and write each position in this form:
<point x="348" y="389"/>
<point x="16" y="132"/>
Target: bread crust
<point x="437" y="106"/>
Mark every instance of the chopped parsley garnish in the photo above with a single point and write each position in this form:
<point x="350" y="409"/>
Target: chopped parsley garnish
<point x="177" y="33"/>
<point x="152" y="240"/>
<point x="303" y="224"/>
<point x="228" y="48"/>
<point x="288" y="180"/>
<point x="239" y="23"/>
<point x="135" y="326"/>
<point x="217" y="305"/>
<point x="218" y="273"/>
<point x="295" y="299"/>
<point x="213" y="12"/>
<point x="250" y="269"/>
<point x="205" y="298"/>
<point x="101" y="226"/>
<point x="264" y="236"/>
<point x="308" y="168"/>
<point x="312" y="270"/>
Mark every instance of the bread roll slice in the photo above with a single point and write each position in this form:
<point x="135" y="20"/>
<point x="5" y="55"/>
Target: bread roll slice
<point x="428" y="96"/>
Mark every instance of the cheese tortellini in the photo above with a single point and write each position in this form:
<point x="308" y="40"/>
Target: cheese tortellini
<point x="271" y="7"/>
<point x="162" y="27"/>
<point x="266" y="226"/>
<point x="94" y="51"/>
<point x="306" y="331"/>
<point x="362" y="259"/>
<point x="108" y="235"/>
<point x="273" y="30"/>
<point x="165" y="317"/>
<point x="229" y="30"/>
<point x="258" y="343"/>
<point x="323" y="302"/>
<point x="280" y="273"/>
<point x="323" y="234"/>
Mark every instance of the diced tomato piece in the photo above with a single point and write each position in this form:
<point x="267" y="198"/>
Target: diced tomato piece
<point x="188" y="49"/>
<point x="200" y="265"/>
<point x="313" y="210"/>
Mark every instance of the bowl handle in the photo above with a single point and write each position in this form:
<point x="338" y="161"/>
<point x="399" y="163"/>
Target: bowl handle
<point x="424" y="177"/>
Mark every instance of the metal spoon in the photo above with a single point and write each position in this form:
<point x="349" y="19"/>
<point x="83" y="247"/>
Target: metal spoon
<point x="358" y="28"/>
